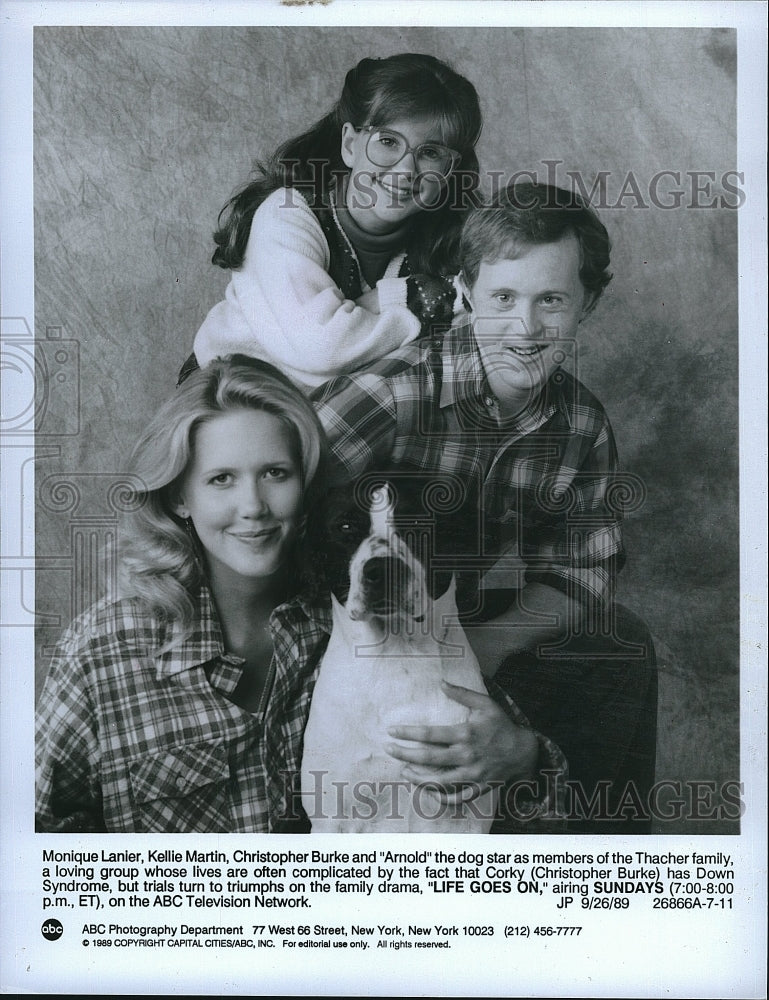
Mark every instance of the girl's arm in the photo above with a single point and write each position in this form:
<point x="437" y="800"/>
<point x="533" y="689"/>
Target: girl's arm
<point x="283" y="306"/>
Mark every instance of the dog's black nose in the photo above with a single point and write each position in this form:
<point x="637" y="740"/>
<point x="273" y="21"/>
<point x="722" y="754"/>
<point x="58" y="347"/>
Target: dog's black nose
<point x="377" y="570"/>
<point x="385" y="576"/>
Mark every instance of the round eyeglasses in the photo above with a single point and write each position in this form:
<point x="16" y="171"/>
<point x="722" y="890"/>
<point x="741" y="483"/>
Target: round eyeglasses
<point x="386" y="148"/>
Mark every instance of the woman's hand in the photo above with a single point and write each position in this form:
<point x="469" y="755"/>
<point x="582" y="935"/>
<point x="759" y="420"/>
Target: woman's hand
<point x="369" y="301"/>
<point x="431" y="299"/>
<point x="463" y="760"/>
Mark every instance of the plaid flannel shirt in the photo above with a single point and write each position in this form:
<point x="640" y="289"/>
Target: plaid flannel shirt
<point x="544" y="481"/>
<point x="134" y="740"/>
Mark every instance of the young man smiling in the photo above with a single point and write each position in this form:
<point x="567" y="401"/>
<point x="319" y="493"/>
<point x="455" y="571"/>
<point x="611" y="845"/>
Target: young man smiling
<point x="490" y="404"/>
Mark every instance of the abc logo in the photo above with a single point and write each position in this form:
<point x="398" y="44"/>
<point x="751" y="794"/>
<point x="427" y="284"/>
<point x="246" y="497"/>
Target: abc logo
<point x="52" y="930"/>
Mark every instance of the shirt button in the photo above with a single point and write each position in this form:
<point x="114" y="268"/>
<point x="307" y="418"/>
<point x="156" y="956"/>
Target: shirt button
<point x="181" y="781"/>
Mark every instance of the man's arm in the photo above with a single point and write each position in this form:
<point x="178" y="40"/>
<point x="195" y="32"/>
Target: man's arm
<point x="564" y="567"/>
<point x="537" y="615"/>
<point x="359" y="417"/>
<point x="496" y="747"/>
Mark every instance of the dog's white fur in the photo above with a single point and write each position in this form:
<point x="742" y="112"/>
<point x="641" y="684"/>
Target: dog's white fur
<point x="378" y="673"/>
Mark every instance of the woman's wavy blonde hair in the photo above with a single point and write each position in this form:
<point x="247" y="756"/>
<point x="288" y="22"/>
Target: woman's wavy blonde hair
<point x="160" y="562"/>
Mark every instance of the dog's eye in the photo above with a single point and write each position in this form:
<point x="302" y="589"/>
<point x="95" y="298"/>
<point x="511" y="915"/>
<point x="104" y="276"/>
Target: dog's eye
<point x="344" y="526"/>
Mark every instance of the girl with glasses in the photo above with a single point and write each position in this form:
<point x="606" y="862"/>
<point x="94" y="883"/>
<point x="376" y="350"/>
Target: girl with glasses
<point x="343" y="245"/>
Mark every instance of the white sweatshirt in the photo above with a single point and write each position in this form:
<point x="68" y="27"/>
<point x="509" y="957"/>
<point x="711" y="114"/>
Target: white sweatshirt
<point x="282" y="306"/>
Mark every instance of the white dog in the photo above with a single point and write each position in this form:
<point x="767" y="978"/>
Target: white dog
<point x="391" y="645"/>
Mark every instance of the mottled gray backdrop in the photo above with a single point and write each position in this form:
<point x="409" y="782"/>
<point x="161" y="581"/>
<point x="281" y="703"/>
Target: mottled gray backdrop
<point x="141" y="134"/>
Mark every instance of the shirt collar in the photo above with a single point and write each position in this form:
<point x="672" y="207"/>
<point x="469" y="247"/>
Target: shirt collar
<point x="204" y="644"/>
<point x="189" y="648"/>
<point x="464" y="383"/>
<point x="360" y="239"/>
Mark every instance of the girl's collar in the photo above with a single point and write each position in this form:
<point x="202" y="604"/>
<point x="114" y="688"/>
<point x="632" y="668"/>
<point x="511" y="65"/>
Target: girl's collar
<point x="357" y="236"/>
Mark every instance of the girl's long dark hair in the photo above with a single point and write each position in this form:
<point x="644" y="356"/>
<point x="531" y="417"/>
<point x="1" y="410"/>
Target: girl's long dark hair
<point x="376" y="92"/>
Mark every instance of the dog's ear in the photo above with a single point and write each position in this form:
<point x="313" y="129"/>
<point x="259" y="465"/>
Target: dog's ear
<point x="314" y="577"/>
<point x="337" y="525"/>
<point x="311" y="578"/>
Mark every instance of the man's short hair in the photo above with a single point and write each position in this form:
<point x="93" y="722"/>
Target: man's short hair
<point x="526" y="214"/>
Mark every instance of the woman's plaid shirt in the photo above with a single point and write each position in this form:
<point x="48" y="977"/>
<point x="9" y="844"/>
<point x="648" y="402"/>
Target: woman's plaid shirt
<point x="134" y="740"/>
<point x="129" y="739"/>
<point x="550" y="499"/>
